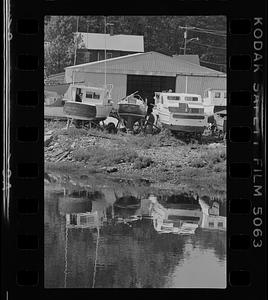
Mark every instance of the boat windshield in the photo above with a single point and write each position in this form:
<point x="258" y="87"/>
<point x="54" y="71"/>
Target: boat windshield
<point x="92" y="95"/>
<point x="196" y="110"/>
<point x="176" y="98"/>
<point x="191" y="98"/>
<point x="132" y="100"/>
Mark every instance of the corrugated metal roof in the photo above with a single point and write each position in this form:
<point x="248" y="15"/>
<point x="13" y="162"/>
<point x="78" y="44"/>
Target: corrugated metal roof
<point x="189" y="57"/>
<point x="216" y="89"/>
<point x="121" y="42"/>
<point x="59" y="89"/>
<point x="149" y="63"/>
<point x="59" y="78"/>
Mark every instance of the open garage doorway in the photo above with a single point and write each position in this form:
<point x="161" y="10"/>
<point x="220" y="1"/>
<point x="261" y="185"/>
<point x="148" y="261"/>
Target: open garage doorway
<point x="148" y="85"/>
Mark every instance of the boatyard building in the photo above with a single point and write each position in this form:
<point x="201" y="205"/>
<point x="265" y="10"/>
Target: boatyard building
<point x="146" y="73"/>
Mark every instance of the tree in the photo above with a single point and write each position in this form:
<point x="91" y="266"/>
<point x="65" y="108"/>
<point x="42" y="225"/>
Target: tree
<point x="161" y="34"/>
<point x="59" y="43"/>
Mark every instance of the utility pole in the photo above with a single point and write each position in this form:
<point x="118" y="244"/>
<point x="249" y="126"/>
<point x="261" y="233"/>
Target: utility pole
<point x="185" y="40"/>
<point x="185" y="36"/>
<point x="105" y="75"/>
<point x="184" y="49"/>
<point x="76" y="44"/>
<point x="105" y="46"/>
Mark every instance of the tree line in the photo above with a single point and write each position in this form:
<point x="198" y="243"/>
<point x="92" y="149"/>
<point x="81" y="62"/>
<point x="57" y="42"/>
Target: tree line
<point x="161" y="34"/>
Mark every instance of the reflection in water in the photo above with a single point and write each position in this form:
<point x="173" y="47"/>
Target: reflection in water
<point x="109" y="237"/>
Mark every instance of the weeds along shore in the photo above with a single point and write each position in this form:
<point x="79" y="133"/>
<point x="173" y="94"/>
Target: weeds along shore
<point x="162" y="159"/>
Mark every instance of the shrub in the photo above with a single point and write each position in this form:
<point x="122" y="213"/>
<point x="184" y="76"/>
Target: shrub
<point x="52" y="125"/>
<point x="119" y="155"/>
<point x="210" y="165"/>
<point x="73" y="132"/>
<point x="221" y="167"/>
<point x="141" y="141"/>
<point x="97" y="155"/>
<point x="142" y="162"/>
<point x="197" y="163"/>
<point x="81" y="154"/>
<point x="214" y="155"/>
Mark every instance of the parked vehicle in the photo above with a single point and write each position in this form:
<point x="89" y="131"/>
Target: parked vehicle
<point x="88" y="103"/>
<point x="132" y="109"/>
<point x="180" y="112"/>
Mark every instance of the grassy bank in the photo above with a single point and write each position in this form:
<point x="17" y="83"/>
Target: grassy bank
<point x="162" y="159"/>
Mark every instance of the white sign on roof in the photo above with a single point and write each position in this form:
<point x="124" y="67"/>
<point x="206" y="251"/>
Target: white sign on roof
<point x="120" y="42"/>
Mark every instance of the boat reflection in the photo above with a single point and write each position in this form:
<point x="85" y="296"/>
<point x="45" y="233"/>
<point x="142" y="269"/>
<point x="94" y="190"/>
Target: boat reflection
<point x="94" y="236"/>
<point x="82" y="220"/>
<point x="177" y="214"/>
<point x="172" y="218"/>
<point x="211" y="220"/>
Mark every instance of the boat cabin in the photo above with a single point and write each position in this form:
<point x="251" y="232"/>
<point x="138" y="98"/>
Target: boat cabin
<point x="215" y="94"/>
<point x="178" y="103"/>
<point x="214" y="100"/>
<point x="89" y="95"/>
<point x="175" y="220"/>
<point x="82" y="220"/>
<point x="214" y="222"/>
<point x="173" y="99"/>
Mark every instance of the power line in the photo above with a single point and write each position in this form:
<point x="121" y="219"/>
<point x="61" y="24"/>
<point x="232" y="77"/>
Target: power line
<point x="212" y="30"/>
<point x="208" y="62"/>
<point x="209" y="46"/>
<point x="209" y="32"/>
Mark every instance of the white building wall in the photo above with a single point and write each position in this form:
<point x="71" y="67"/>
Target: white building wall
<point x="193" y="84"/>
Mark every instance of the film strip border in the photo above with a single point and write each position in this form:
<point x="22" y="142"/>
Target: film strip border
<point x="245" y="190"/>
<point x="246" y="214"/>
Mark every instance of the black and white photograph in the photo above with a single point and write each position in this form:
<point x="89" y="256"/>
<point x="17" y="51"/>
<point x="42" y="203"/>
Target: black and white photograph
<point x="135" y="112"/>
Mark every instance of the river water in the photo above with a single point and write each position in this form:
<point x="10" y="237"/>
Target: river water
<point x="113" y="235"/>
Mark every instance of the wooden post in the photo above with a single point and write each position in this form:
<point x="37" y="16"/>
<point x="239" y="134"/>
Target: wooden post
<point x="68" y="123"/>
<point x="112" y="211"/>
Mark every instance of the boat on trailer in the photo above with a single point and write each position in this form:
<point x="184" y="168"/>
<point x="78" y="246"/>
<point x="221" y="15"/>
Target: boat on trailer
<point x="180" y="112"/>
<point x="214" y="101"/>
<point x="88" y="103"/>
<point x="132" y="109"/>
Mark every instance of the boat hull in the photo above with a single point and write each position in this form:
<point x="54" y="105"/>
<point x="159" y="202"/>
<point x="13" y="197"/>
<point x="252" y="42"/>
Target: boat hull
<point x="131" y="113"/>
<point x="182" y="122"/>
<point x="131" y="109"/>
<point x="184" y="128"/>
<point x="69" y="205"/>
<point x="83" y="111"/>
<point x="212" y="109"/>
